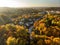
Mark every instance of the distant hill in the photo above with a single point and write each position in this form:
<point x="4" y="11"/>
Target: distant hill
<point x="19" y="11"/>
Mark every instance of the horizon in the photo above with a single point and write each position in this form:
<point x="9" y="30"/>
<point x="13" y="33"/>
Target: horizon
<point x="29" y="7"/>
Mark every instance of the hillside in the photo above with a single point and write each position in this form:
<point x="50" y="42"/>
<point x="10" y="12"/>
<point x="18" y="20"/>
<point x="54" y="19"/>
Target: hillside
<point x="5" y="19"/>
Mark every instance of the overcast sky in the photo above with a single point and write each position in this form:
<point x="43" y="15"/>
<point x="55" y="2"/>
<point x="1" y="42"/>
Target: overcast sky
<point x="29" y="3"/>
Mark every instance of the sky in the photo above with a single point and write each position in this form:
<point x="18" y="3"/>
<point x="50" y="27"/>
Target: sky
<point x="29" y="3"/>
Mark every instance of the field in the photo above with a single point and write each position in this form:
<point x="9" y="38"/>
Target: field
<point x="30" y="26"/>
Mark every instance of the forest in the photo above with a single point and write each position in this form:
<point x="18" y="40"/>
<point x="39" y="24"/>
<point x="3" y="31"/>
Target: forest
<point x="30" y="26"/>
